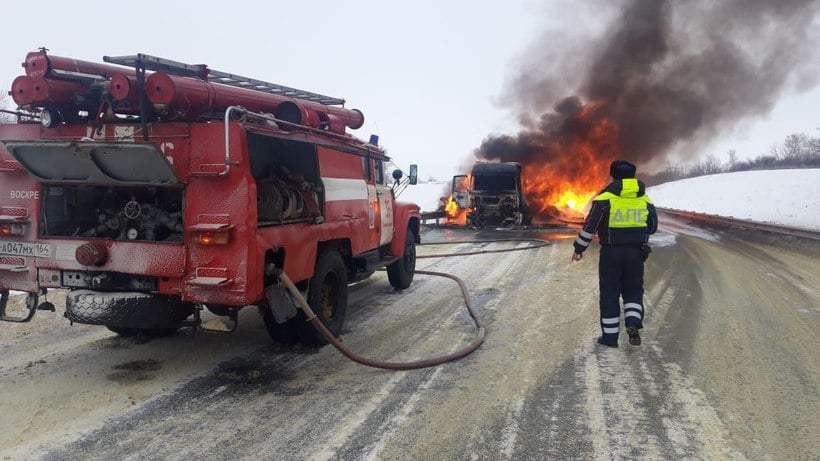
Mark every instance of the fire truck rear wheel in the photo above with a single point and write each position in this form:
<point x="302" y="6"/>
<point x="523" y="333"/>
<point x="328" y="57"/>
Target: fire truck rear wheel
<point x="327" y="297"/>
<point x="400" y="273"/>
<point x="282" y="333"/>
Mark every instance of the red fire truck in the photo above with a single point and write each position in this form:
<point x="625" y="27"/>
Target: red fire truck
<point x="152" y="189"/>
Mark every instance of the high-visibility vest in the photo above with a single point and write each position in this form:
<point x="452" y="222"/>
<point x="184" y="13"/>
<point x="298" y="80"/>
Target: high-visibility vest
<point x="627" y="210"/>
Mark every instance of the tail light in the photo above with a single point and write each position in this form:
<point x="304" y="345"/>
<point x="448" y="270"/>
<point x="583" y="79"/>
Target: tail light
<point x="212" y="237"/>
<point x="11" y="230"/>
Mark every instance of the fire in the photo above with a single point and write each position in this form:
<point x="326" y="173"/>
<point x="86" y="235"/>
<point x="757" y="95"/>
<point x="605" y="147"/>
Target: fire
<point x="576" y="167"/>
<point x="574" y="200"/>
<point x="455" y="215"/>
<point x="451" y="208"/>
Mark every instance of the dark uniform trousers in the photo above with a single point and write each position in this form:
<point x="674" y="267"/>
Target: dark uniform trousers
<point x="620" y="273"/>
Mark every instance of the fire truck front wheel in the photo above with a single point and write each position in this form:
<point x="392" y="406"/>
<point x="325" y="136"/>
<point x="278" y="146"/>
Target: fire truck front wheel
<point x="327" y="297"/>
<point x="400" y="273"/>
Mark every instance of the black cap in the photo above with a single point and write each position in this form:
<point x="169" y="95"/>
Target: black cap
<point x="621" y="169"/>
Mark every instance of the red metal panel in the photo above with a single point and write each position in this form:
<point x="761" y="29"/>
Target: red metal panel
<point x="299" y="244"/>
<point x="20" y="192"/>
<point x="233" y="197"/>
<point x="335" y="164"/>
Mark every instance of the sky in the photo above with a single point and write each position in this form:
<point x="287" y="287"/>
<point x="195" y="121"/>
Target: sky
<point x="785" y="197"/>
<point x="430" y="77"/>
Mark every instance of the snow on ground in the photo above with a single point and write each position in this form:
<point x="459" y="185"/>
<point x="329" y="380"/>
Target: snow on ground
<point x="785" y="197"/>
<point x="426" y="195"/>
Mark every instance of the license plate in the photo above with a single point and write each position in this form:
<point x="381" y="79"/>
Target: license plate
<point x="37" y="250"/>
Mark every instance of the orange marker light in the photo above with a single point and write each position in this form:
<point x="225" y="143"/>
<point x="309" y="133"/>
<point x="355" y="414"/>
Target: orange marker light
<point x="213" y="238"/>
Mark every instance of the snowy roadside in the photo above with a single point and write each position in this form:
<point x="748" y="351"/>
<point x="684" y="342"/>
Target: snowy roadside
<point x="785" y="197"/>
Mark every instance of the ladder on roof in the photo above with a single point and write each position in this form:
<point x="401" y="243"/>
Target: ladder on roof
<point x="143" y="62"/>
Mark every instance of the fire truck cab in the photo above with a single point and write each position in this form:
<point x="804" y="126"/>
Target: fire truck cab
<point x="152" y="189"/>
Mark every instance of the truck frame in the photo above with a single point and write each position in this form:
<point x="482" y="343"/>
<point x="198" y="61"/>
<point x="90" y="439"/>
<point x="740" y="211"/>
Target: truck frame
<point x="152" y="189"/>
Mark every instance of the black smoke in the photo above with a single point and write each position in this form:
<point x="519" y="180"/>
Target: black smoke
<point x="670" y="74"/>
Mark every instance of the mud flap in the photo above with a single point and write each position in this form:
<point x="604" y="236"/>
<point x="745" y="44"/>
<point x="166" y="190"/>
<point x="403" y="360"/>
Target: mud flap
<point x="281" y="304"/>
<point x="31" y="305"/>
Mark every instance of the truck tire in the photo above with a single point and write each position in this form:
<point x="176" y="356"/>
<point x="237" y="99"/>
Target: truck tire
<point x="400" y="273"/>
<point x="127" y="313"/>
<point x="327" y="297"/>
<point x="282" y="333"/>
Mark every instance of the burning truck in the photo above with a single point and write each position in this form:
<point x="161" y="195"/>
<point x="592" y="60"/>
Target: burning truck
<point x="492" y="194"/>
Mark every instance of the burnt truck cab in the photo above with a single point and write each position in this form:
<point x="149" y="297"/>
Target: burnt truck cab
<point x="493" y="194"/>
<point x="152" y="209"/>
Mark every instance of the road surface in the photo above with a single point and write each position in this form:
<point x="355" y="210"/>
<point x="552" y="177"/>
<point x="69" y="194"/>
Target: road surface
<point x="728" y="368"/>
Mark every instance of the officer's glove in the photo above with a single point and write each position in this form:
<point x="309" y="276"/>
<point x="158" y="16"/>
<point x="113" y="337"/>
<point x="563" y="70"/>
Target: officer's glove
<point x="645" y="250"/>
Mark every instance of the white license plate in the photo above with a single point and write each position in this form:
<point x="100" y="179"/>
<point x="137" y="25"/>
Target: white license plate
<point x="38" y="250"/>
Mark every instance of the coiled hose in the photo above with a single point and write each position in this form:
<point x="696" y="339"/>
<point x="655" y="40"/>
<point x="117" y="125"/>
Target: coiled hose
<point x="480" y="335"/>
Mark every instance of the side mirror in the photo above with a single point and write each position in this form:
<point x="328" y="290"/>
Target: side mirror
<point x="397" y="174"/>
<point x="414" y="174"/>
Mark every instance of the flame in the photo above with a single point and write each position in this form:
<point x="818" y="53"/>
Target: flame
<point x="451" y="208"/>
<point x="577" y="166"/>
<point x="455" y="215"/>
<point x="573" y="200"/>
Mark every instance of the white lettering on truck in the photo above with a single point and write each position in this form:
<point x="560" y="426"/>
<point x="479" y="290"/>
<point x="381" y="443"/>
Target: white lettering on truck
<point x="25" y="194"/>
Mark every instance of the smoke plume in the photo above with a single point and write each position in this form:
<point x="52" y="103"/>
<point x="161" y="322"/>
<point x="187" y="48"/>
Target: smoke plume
<point x="664" y="77"/>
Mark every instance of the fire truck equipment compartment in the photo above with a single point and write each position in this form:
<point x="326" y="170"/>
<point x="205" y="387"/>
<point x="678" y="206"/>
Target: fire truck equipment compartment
<point x="93" y="163"/>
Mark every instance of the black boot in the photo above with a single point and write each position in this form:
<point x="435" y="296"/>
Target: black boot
<point x="634" y="336"/>
<point x="602" y="342"/>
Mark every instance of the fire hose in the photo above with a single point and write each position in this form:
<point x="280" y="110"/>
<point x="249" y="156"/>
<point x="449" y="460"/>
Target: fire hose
<point x="482" y="332"/>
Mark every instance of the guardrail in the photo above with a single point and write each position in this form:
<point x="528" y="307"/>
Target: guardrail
<point x="432" y="215"/>
<point x="714" y="219"/>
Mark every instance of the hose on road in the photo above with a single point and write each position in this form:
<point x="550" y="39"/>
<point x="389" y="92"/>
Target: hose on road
<point x="538" y="243"/>
<point x="341" y="347"/>
<point x="480" y="335"/>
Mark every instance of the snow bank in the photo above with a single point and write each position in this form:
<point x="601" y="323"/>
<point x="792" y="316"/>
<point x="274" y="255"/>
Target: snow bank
<point x="785" y="197"/>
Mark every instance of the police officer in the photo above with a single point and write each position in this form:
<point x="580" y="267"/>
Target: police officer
<point x="624" y="216"/>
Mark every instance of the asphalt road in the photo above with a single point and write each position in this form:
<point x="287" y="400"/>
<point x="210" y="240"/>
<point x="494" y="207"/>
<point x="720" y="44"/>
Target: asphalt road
<point x="728" y="368"/>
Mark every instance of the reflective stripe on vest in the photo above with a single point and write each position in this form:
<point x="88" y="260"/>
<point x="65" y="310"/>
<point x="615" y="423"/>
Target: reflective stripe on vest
<point x="627" y="210"/>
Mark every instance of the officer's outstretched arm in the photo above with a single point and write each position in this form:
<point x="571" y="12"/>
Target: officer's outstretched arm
<point x="596" y="213"/>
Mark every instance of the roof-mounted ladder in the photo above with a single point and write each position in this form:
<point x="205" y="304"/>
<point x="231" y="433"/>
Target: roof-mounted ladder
<point x="145" y="62"/>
